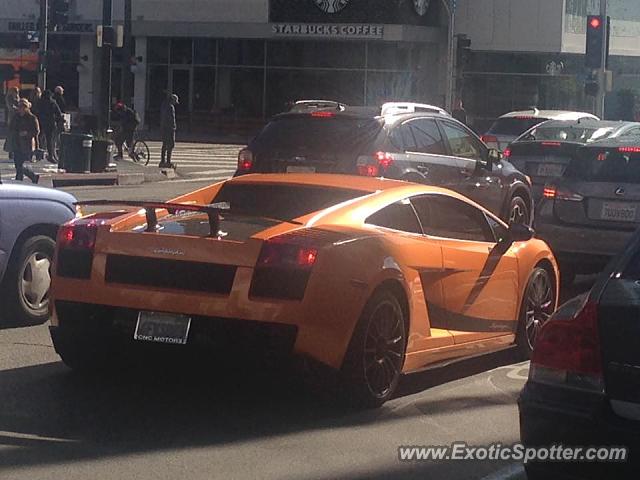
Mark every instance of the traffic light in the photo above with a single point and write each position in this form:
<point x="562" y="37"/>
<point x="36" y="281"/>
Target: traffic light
<point x="596" y="40"/>
<point x="463" y="49"/>
<point x="59" y="12"/>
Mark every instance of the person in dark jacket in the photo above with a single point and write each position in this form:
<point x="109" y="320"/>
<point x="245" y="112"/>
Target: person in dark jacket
<point x="58" y="96"/>
<point x="24" y="131"/>
<point x="128" y="121"/>
<point x="51" y="119"/>
<point x="168" y="129"/>
<point x="459" y="113"/>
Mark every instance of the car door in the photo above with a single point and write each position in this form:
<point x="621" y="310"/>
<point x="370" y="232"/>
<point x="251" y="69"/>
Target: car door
<point x="426" y="152"/>
<point x="423" y="257"/>
<point x="480" y="275"/>
<point x="480" y="181"/>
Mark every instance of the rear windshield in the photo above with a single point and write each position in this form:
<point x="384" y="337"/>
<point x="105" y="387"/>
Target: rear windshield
<point x="284" y="202"/>
<point x="514" y="126"/>
<point x="334" y="135"/>
<point x="569" y="133"/>
<point x="606" y="165"/>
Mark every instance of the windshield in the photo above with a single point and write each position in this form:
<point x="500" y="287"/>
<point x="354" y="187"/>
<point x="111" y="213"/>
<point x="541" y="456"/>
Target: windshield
<point x="323" y="135"/>
<point x="617" y="165"/>
<point x="514" y="126"/>
<point x="568" y="133"/>
<point x="284" y="202"/>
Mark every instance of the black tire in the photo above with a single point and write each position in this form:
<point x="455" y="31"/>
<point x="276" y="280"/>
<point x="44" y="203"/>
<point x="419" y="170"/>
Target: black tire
<point x="86" y="346"/>
<point x="519" y="211"/>
<point x="141" y="152"/>
<point x="538" y="303"/>
<point x="374" y="360"/>
<point x="25" y="288"/>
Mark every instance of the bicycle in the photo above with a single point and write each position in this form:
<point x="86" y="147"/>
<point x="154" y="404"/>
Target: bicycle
<point x="140" y="152"/>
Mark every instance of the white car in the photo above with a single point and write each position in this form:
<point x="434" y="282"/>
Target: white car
<point x="513" y="124"/>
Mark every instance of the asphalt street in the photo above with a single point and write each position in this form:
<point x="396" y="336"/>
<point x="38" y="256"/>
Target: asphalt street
<point x="214" y="418"/>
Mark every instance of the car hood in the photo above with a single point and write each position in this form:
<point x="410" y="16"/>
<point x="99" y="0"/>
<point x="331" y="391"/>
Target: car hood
<point x="9" y="190"/>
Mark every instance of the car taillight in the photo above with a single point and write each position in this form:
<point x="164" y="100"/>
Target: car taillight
<point x="78" y="236"/>
<point x="284" y="267"/>
<point x="285" y="255"/>
<point x="489" y="139"/>
<point x="245" y="160"/>
<point x="506" y="153"/>
<point x="629" y="149"/>
<point x="567" y="349"/>
<point x="76" y="243"/>
<point x="560" y="193"/>
<point x="323" y="114"/>
<point x="376" y="165"/>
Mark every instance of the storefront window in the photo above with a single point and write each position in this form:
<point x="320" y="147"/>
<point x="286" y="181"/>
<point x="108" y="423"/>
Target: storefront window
<point x="181" y="51"/>
<point x="393" y="56"/>
<point x="158" y="50"/>
<point x="204" y="89"/>
<point x="241" y="52"/>
<point x="158" y="81"/>
<point x="317" y="54"/>
<point x="385" y="87"/>
<point x="205" y="51"/>
<point x="240" y="92"/>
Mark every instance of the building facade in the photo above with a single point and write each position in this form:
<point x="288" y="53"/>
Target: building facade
<point x="531" y="53"/>
<point x="234" y="63"/>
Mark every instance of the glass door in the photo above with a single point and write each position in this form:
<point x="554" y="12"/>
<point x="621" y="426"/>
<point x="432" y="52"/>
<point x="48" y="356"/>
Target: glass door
<point x="180" y="84"/>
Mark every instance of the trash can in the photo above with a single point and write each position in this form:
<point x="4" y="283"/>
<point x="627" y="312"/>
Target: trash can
<point x="101" y="155"/>
<point x="75" y="152"/>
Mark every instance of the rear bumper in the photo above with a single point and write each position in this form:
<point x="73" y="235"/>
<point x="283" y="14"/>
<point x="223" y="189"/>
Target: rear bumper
<point x="579" y="245"/>
<point x="551" y="416"/>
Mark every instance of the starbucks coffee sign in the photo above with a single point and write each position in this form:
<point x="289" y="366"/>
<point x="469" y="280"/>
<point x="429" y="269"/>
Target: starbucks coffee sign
<point x="331" y="6"/>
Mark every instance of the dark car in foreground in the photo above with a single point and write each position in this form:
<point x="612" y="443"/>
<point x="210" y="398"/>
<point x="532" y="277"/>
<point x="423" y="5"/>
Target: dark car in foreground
<point x="29" y="220"/>
<point x="544" y="151"/>
<point x="588" y="215"/>
<point x="584" y="381"/>
<point x="422" y="146"/>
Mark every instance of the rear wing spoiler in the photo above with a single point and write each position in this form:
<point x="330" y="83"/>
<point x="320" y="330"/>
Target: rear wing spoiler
<point x="213" y="213"/>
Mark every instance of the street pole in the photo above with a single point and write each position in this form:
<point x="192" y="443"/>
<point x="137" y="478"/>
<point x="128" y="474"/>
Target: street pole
<point x="450" y="5"/>
<point x="43" y="44"/>
<point x="602" y="72"/>
<point x="128" y="53"/>
<point x="107" y="22"/>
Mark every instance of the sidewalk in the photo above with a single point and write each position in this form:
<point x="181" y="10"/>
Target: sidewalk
<point x="128" y="173"/>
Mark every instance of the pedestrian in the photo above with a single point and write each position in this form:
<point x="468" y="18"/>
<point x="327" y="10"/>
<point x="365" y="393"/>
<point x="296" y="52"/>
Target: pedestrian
<point x="168" y="129"/>
<point x="58" y="96"/>
<point x="51" y="120"/>
<point x="11" y="104"/>
<point x="34" y="97"/>
<point x="24" y="131"/>
<point x="459" y="113"/>
<point x="127" y="120"/>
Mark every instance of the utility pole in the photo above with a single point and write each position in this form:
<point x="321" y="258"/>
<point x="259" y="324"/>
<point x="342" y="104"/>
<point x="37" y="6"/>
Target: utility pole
<point x="602" y="71"/>
<point x="128" y="54"/>
<point x="450" y="5"/>
<point x="107" y="25"/>
<point x="43" y="41"/>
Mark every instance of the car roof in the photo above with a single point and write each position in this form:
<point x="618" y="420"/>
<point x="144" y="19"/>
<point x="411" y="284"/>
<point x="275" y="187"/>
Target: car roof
<point x="615" y="142"/>
<point x="550" y="114"/>
<point x="614" y="127"/>
<point x="390" y="119"/>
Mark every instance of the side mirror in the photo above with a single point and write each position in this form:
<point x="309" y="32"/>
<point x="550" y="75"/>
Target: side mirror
<point x="519" y="232"/>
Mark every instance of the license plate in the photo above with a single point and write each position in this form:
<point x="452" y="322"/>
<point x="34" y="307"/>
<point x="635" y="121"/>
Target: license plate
<point x="299" y="169"/>
<point x="162" y="328"/>
<point x="550" y="170"/>
<point x="622" y="212"/>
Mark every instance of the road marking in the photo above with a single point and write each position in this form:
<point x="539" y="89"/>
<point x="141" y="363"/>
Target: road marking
<point x="28" y="436"/>
<point x="510" y="472"/>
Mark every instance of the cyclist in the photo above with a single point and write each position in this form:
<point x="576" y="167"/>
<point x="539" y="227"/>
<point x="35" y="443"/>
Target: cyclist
<point x="128" y="121"/>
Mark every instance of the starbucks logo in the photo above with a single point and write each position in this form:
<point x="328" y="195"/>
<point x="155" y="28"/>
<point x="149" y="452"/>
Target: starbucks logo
<point x="331" y="6"/>
<point x="421" y="6"/>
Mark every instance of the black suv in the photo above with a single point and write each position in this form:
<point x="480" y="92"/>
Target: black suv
<point x="423" y="145"/>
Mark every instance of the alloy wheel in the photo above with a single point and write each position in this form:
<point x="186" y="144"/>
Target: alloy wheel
<point x="518" y="213"/>
<point x="35" y="281"/>
<point x="540" y="303"/>
<point x="384" y="347"/>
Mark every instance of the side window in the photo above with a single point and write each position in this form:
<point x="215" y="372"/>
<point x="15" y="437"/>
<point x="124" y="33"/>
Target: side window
<point x="402" y="138"/>
<point x="448" y="217"/>
<point x="427" y="136"/>
<point x="398" y="216"/>
<point x="462" y="143"/>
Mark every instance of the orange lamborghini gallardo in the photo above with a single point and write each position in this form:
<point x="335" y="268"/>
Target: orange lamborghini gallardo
<point x="370" y="277"/>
